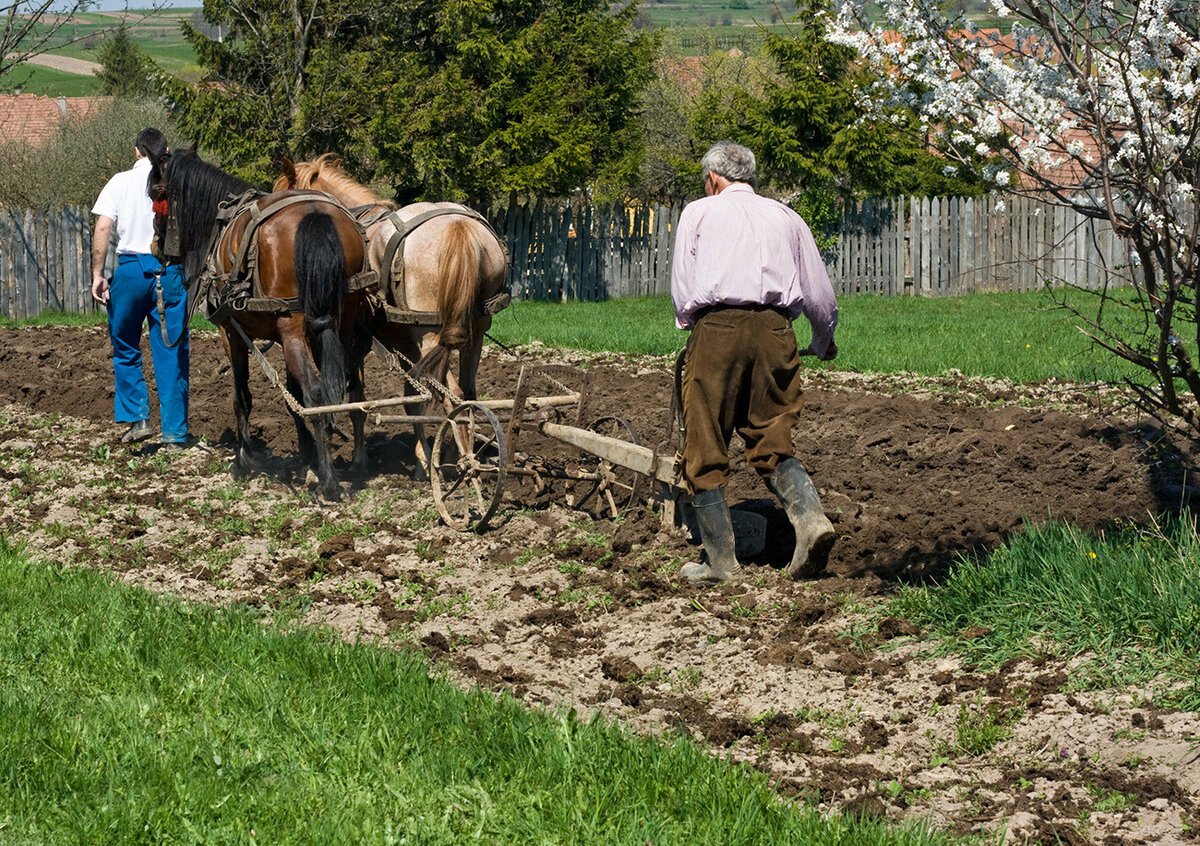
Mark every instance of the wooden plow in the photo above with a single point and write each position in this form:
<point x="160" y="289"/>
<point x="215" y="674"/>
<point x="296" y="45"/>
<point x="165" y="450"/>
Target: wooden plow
<point x="475" y="449"/>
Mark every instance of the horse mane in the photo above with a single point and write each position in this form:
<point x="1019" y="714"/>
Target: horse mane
<point x="325" y="173"/>
<point x="195" y="190"/>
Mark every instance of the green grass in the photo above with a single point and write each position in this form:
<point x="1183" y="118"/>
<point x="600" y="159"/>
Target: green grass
<point x="48" y="82"/>
<point x="1125" y="602"/>
<point x="73" y="319"/>
<point x="134" y="717"/>
<point x="1020" y="337"/>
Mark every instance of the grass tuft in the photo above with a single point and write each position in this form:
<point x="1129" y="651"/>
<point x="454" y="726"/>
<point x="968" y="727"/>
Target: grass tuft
<point x="1125" y="601"/>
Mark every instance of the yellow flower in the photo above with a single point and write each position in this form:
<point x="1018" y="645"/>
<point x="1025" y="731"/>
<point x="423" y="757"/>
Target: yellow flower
<point x="1091" y="555"/>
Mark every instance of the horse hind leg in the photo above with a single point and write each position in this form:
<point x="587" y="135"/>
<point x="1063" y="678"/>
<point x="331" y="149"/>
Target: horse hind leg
<point x="315" y="446"/>
<point x="468" y="359"/>
<point x="304" y="437"/>
<point x="359" y="347"/>
<point x="239" y="364"/>
<point x="438" y="372"/>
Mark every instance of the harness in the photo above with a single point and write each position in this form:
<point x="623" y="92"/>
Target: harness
<point x="239" y="287"/>
<point x="396" y="307"/>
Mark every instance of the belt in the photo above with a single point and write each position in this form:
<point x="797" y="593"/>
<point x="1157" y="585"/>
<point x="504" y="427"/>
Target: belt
<point x="751" y="307"/>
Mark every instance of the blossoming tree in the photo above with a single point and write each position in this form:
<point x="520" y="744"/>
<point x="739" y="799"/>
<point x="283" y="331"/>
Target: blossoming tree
<point x="1092" y="104"/>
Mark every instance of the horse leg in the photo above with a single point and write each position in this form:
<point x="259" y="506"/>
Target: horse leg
<point x="308" y="446"/>
<point x="359" y="347"/>
<point x="424" y="449"/>
<point x="239" y="363"/>
<point x="468" y="359"/>
<point x="302" y="372"/>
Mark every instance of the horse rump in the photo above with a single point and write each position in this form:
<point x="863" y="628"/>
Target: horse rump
<point x="460" y="276"/>
<point x="320" y="263"/>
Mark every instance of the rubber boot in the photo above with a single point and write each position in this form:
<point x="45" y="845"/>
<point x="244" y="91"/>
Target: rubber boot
<point x="814" y="533"/>
<point x="716" y="532"/>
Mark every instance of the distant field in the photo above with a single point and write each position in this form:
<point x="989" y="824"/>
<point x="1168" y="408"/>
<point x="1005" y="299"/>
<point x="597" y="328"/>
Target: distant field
<point x="157" y="33"/>
<point x="50" y="82"/>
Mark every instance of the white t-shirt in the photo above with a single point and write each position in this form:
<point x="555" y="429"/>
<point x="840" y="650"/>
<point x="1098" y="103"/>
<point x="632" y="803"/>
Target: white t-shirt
<point x="126" y="200"/>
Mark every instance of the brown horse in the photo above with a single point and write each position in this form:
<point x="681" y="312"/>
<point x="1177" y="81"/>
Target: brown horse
<point x="268" y="266"/>
<point x="450" y="265"/>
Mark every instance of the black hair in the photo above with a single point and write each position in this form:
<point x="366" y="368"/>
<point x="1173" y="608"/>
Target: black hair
<point x="151" y="143"/>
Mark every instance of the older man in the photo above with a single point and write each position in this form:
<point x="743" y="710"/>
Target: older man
<point x="745" y="267"/>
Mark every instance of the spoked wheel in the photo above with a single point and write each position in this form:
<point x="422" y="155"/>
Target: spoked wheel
<point x="606" y="489"/>
<point x="470" y="463"/>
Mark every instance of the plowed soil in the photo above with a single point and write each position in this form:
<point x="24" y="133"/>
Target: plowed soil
<point x="558" y="606"/>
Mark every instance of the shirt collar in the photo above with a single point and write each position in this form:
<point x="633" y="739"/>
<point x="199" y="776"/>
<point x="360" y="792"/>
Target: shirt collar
<point x="739" y="187"/>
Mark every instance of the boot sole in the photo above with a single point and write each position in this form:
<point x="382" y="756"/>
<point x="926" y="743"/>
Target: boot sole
<point x="817" y="560"/>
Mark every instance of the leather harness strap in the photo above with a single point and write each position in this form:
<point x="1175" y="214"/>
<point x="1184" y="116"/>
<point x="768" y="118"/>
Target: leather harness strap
<point x="243" y="265"/>
<point x="403" y="229"/>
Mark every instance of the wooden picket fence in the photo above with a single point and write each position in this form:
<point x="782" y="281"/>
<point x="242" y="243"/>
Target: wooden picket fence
<point x="957" y="245"/>
<point x="587" y="252"/>
<point x="927" y="247"/>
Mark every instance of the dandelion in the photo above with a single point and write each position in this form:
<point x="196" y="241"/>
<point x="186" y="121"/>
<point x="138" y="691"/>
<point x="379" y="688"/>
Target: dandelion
<point x="1027" y="346"/>
<point x="1091" y="555"/>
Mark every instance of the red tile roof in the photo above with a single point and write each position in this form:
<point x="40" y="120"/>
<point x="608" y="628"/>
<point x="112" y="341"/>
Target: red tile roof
<point x="34" y="118"/>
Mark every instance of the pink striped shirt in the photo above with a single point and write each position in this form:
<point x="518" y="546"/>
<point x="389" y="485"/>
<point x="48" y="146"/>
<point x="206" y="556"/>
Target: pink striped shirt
<point x="737" y="248"/>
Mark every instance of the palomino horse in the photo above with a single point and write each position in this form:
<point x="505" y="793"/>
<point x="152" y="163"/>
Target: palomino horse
<point x="276" y="267"/>
<point x="437" y="259"/>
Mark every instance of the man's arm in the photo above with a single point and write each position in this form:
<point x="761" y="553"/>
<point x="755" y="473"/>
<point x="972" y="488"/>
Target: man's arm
<point x="100" y="239"/>
<point x="683" y="268"/>
<point x="820" y="304"/>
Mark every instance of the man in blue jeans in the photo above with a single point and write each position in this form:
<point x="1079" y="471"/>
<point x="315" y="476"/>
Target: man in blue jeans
<point x="142" y="289"/>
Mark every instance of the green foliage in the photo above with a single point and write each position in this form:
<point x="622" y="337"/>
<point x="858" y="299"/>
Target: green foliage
<point x="693" y="102"/>
<point x="802" y="117"/>
<point x="531" y="98"/>
<point x="441" y="99"/>
<point x="125" y="70"/>
<point x="85" y="151"/>
<point x="250" y="109"/>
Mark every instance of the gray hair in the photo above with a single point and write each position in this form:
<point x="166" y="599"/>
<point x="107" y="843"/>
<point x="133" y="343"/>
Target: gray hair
<point x="733" y="161"/>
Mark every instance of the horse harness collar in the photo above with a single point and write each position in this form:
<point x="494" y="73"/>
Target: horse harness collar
<point x="239" y="288"/>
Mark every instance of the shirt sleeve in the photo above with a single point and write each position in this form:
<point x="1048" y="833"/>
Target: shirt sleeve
<point x="683" y="268"/>
<point x="106" y="203"/>
<point x="820" y="304"/>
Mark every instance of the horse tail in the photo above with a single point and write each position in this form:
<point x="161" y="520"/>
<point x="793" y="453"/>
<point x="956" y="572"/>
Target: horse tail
<point x="320" y="263"/>
<point x="459" y="278"/>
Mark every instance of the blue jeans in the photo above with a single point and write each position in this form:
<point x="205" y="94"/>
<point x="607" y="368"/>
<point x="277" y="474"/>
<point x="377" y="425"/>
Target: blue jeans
<point x="132" y="301"/>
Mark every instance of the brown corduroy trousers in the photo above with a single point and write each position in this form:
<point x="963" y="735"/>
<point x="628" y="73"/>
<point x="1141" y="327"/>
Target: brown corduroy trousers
<point x="741" y="373"/>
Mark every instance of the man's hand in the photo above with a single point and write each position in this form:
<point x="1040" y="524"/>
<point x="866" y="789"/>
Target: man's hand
<point x="100" y="289"/>
<point x="830" y="353"/>
<point x="100" y="239"/>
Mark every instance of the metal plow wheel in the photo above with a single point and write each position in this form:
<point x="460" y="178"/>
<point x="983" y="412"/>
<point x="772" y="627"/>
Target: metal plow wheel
<point x="601" y="486"/>
<point x="470" y="463"/>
